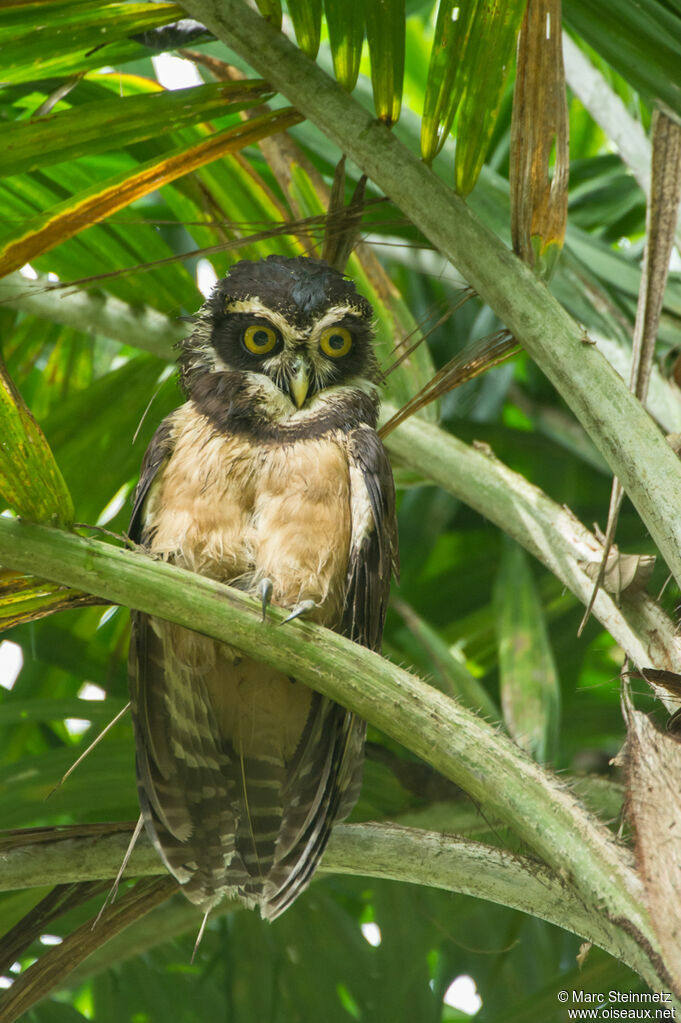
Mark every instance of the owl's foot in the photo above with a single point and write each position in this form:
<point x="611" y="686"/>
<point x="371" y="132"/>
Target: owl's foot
<point x="303" y="608"/>
<point x="264" y="591"/>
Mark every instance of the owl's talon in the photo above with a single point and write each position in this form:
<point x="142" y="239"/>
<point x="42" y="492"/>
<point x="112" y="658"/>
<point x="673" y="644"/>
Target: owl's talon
<point x="264" y="591"/>
<point x="303" y="608"/>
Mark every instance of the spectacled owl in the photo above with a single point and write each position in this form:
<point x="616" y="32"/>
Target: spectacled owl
<point x="270" y="478"/>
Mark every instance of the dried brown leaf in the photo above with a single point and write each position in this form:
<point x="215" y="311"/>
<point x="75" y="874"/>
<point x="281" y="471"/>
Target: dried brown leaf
<point x="623" y="572"/>
<point x="539" y="134"/>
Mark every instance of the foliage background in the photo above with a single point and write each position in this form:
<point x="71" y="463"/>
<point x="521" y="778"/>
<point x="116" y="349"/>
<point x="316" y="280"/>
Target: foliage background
<point x="470" y="606"/>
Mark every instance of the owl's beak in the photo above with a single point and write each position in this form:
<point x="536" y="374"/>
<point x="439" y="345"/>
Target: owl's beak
<point x="299" y="384"/>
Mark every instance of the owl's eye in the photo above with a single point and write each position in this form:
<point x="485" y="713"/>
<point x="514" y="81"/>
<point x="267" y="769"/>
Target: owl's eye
<point x="335" y="342"/>
<point x="259" y="339"/>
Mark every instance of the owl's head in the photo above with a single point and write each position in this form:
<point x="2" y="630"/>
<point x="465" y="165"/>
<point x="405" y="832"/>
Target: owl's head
<point x="297" y="323"/>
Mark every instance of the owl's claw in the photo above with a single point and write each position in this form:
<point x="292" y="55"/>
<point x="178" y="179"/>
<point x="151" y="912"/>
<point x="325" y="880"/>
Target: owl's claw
<point x="264" y="591"/>
<point x="303" y="608"/>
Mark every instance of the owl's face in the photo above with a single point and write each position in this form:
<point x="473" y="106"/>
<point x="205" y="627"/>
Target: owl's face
<point x="294" y="327"/>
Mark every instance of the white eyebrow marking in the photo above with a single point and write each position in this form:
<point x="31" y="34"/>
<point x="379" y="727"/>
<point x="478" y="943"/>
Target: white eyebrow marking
<point x="332" y="316"/>
<point x="258" y="308"/>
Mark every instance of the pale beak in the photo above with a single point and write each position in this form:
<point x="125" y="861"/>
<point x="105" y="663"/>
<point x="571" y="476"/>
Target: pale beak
<point x="299" y="384"/>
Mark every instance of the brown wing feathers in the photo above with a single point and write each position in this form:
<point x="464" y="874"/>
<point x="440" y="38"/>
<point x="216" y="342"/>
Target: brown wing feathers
<point x="314" y="804"/>
<point x="373" y="552"/>
<point x="188" y="794"/>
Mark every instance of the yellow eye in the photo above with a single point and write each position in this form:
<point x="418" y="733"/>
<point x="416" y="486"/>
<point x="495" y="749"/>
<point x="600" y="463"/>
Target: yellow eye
<point x="335" y="342"/>
<point x="258" y="339"/>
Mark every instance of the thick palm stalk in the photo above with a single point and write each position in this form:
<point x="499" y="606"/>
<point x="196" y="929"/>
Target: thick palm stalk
<point x="455" y="741"/>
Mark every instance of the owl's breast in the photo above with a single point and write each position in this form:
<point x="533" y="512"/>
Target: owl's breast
<point x="302" y="524"/>
<point x="239" y="511"/>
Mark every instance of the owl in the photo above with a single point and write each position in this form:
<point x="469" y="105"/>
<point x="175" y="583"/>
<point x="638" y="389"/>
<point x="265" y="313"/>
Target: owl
<point x="270" y="478"/>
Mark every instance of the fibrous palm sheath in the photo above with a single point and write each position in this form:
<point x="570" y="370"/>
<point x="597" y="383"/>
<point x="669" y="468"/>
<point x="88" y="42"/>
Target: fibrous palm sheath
<point x="271" y="478"/>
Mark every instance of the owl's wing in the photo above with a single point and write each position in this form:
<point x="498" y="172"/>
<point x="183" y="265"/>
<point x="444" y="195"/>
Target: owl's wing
<point x="186" y="767"/>
<point x="372" y="560"/>
<point x="334" y="743"/>
<point x="189" y="775"/>
<point x="155" y="457"/>
<point x="373" y="545"/>
<point x="158" y="781"/>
